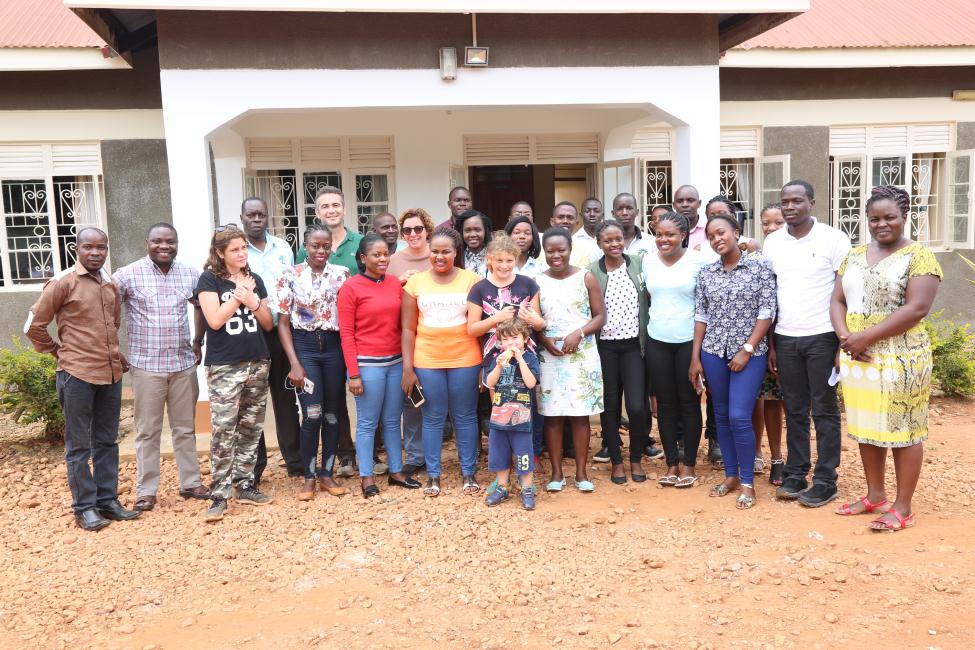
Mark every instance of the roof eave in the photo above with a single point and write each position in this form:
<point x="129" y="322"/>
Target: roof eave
<point x="849" y="57"/>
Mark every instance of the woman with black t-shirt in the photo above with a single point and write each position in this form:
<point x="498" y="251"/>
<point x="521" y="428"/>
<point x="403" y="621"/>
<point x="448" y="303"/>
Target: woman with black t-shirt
<point x="234" y="303"/>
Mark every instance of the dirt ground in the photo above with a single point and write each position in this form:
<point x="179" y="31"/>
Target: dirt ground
<point x="635" y="566"/>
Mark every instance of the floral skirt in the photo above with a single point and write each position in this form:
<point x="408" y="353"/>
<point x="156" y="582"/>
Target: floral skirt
<point x="572" y="384"/>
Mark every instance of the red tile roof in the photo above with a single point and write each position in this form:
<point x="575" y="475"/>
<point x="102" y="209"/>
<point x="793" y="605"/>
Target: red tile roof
<point x="874" y="23"/>
<point x="43" y="23"/>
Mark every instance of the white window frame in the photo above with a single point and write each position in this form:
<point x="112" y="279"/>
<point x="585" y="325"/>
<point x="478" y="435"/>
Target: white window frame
<point x="757" y="194"/>
<point x="949" y="199"/>
<point x="51" y="160"/>
<point x="867" y="143"/>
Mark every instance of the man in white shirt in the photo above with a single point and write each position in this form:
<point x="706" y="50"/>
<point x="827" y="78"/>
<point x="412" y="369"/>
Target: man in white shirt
<point x="805" y="256"/>
<point x="565" y="215"/>
<point x="687" y="201"/>
<point x="625" y="211"/>
<point x="585" y="237"/>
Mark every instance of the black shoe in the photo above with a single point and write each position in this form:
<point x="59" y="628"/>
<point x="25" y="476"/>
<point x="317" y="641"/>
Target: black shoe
<point x="651" y="451"/>
<point x="90" y="520"/>
<point x="410" y="483"/>
<point x="296" y="473"/>
<point x="618" y="480"/>
<point x="116" y="512"/>
<point x="409" y="469"/>
<point x="601" y="456"/>
<point x="818" y="495"/>
<point x="370" y="491"/>
<point x="790" y="489"/>
<point x="714" y="453"/>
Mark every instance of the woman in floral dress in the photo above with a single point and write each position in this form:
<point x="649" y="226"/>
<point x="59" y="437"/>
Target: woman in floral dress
<point x="571" y="377"/>
<point x="886" y="289"/>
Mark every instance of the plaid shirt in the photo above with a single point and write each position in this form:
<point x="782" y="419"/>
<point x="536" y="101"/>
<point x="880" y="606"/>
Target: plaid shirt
<point x="157" y="314"/>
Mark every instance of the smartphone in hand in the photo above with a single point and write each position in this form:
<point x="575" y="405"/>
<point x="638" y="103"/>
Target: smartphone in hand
<point x="416" y="397"/>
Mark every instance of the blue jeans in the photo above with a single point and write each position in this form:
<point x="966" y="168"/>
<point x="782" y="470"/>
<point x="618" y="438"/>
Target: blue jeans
<point x="381" y="401"/>
<point x="734" y="395"/>
<point x="413" y="434"/>
<point x="320" y="354"/>
<point x="452" y="390"/>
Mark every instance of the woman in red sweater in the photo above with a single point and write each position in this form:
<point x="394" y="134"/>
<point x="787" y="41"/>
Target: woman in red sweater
<point x="369" y="323"/>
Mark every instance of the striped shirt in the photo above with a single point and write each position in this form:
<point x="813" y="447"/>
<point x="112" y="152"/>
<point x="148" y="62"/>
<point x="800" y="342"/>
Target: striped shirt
<point x="157" y="314"/>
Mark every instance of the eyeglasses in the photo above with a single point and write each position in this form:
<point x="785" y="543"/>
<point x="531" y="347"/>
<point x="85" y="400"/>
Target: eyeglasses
<point x="416" y="230"/>
<point x="229" y="226"/>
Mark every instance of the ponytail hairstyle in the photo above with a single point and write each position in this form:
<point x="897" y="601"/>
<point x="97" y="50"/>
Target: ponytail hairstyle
<point x="218" y="244"/>
<point x="898" y="196"/>
<point x="678" y="220"/>
<point x="447" y="232"/>
<point x="724" y="216"/>
<point x="364" y="245"/>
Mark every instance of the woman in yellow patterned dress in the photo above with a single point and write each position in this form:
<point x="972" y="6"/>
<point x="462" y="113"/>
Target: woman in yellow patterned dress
<point x="886" y="289"/>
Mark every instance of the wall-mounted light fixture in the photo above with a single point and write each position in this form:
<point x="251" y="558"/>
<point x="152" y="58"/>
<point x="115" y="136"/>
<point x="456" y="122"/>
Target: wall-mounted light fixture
<point x="475" y="56"/>
<point x="963" y="95"/>
<point x="448" y="63"/>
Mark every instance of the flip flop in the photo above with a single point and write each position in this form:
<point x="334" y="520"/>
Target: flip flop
<point x="668" y="480"/>
<point x="433" y="487"/>
<point x="555" y="486"/>
<point x="846" y="509"/>
<point x="686" y="481"/>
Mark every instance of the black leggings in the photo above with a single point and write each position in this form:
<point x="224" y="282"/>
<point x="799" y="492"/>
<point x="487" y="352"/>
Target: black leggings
<point x="623" y="377"/>
<point x="678" y="404"/>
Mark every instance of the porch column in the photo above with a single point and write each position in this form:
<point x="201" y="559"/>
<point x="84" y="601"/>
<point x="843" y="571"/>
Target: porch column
<point x="699" y="142"/>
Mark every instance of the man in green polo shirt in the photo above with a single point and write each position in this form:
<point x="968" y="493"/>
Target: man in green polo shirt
<point x="330" y="210"/>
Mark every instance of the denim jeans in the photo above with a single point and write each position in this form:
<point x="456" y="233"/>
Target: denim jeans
<point x="320" y="354"/>
<point x="91" y="415"/>
<point x="381" y="402"/>
<point x="805" y="364"/>
<point x="413" y="434"/>
<point x="734" y="395"/>
<point x="453" y="391"/>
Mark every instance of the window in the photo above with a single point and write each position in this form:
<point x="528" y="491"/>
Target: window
<point x="43" y="203"/>
<point x="916" y="158"/>
<point x="276" y="166"/>
<point x="752" y="183"/>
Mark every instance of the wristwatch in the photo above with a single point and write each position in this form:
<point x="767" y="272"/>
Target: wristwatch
<point x="748" y="347"/>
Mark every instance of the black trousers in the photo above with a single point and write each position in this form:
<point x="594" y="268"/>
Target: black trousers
<point x="285" y="402"/>
<point x="91" y="415"/>
<point x="624" y="376"/>
<point x="678" y="404"/>
<point x="805" y="364"/>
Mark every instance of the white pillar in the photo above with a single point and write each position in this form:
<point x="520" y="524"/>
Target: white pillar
<point x="699" y="142"/>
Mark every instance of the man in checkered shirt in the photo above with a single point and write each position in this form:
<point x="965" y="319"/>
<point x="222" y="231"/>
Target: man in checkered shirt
<point x="156" y="292"/>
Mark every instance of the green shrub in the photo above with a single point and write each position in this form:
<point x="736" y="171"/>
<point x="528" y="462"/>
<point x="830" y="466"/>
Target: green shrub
<point x="953" y="349"/>
<point x="27" y="381"/>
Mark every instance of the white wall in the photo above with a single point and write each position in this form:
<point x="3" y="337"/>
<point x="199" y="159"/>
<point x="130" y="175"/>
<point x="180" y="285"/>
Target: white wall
<point x="199" y="102"/>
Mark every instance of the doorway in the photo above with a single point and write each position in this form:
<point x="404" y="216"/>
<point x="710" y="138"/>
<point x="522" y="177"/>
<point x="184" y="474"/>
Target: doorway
<point x="495" y="188"/>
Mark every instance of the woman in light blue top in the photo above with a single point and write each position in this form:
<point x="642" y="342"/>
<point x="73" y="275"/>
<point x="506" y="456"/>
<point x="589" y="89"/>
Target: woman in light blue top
<point x="671" y="277"/>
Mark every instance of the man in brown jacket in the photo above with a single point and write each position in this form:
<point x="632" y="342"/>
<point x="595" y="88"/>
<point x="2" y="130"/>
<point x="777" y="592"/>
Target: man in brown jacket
<point x="85" y="303"/>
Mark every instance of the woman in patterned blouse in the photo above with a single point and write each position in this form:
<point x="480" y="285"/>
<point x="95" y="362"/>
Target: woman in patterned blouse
<point x="308" y="324"/>
<point x="735" y="304"/>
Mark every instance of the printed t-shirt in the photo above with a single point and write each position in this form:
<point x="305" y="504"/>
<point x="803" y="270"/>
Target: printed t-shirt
<point x="492" y="299"/>
<point x="241" y="337"/>
<point x="441" y="331"/>
<point x="510" y="397"/>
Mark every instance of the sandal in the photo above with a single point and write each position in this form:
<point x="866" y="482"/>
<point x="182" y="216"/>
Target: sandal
<point x="719" y="490"/>
<point x="433" y="487"/>
<point x="759" y="465"/>
<point x="470" y="485"/>
<point x="882" y="525"/>
<point x="776" y="474"/>
<point x="686" y="481"/>
<point x="668" y="480"/>
<point x="744" y="502"/>
<point x="145" y="503"/>
<point x="847" y="508"/>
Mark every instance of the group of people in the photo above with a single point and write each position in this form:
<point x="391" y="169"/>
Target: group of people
<point x="456" y="330"/>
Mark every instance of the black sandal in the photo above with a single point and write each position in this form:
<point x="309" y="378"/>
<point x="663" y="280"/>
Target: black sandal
<point x="776" y="474"/>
